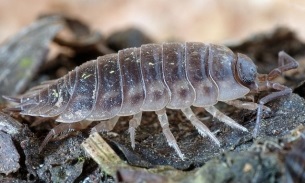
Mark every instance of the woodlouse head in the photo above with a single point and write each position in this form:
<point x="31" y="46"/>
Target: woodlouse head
<point x="246" y="71"/>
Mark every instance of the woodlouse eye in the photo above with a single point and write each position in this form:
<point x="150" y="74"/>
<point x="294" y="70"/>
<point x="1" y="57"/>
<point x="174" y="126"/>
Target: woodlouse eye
<point x="246" y="71"/>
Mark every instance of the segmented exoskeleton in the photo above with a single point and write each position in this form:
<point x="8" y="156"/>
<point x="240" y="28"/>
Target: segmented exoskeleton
<point x="152" y="78"/>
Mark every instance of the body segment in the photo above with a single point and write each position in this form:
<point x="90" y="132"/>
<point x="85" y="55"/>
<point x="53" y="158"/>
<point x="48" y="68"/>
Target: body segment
<point x="157" y="94"/>
<point x="221" y="66"/>
<point x="132" y="81"/>
<point x="182" y="93"/>
<point x="198" y="74"/>
<point x="109" y="92"/>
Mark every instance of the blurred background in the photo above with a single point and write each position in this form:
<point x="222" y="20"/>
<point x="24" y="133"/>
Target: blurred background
<point x="215" y="21"/>
<point x="54" y="45"/>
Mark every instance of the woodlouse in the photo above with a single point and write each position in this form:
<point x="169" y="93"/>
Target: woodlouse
<point x="152" y="78"/>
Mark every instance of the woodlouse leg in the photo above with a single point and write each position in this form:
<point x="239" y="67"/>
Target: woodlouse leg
<point x="167" y="133"/>
<point x="133" y="124"/>
<point x="106" y="126"/>
<point x="202" y="129"/>
<point x="283" y="91"/>
<point x="223" y="118"/>
<point x="267" y="84"/>
<point x="64" y="127"/>
<point x="246" y="105"/>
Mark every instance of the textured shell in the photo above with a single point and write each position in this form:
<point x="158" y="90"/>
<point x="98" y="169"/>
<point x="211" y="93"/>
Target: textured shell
<point x="149" y="78"/>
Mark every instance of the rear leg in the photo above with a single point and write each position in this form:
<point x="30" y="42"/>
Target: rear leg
<point x="109" y="125"/>
<point x="246" y="105"/>
<point x="64" y="127"/>
<point x="133" y="124"/>
<point x="167" y="133"/>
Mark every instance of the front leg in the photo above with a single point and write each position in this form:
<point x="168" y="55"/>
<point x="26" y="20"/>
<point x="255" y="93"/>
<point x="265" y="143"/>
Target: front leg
<point x="246" y="105"/>
<point x="286" y="63"/>
<point x="283" y="91"/>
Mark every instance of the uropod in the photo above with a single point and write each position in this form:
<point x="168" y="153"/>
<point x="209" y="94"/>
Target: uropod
<point x="154" y="77"/>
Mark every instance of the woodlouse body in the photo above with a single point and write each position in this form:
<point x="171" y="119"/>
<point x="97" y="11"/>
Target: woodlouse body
<point x="149" y="78"/>
<point x="152" y="78"/>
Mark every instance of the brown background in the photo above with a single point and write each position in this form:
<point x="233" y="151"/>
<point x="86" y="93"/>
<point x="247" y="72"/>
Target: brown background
<point x="192" y="20"/>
